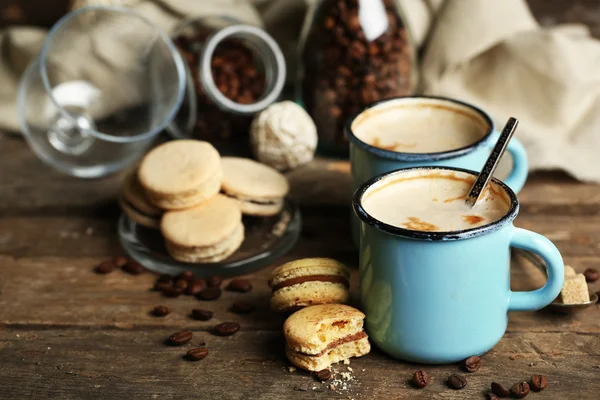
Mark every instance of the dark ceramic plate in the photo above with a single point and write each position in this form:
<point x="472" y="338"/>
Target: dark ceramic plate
<point x="266" y="239"/>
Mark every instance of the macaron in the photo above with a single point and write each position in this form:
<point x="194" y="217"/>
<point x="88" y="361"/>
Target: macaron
<point x="307" y="282"/>
<point x="258" y="188"/>
<point x="181" y="174"/>
<point x="321" y="335"/>
<point x="135" y="205"/>
<point x="209" y="232"/>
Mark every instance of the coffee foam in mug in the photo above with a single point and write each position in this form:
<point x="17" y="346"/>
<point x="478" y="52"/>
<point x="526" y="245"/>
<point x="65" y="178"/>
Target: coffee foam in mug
<point x="433" y="201"/>
<point x="417" y="125"/>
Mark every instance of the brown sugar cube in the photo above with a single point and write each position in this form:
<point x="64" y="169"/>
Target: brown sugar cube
<point x="575" y="290"/>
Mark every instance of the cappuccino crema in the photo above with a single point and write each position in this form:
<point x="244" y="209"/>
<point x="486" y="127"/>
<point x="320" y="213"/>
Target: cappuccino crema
<point x="417" y="125"/>
<point x="433" y="201"/>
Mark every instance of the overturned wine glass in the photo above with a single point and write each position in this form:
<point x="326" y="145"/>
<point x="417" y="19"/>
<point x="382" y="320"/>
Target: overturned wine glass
<point x="106" y="83"/>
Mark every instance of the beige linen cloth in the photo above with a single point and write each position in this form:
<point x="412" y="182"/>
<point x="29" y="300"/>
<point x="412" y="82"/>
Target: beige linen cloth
<point x="490" y="53"/>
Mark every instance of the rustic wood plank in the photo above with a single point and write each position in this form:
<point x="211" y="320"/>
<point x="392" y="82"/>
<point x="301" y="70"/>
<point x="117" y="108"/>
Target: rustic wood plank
<point x="108" y="364"/>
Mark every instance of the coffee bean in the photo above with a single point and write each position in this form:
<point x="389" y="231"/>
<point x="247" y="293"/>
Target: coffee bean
<point x="195" y="286"/>
<point x="456" y="382"/>
<point x="202" y="315"/>
<point x="120" y="261"/>
<point x="214" y="281"/>
<point x="242" y="307"/>
<point x="500" y="390"/>
<point x="420" y="379"/>
<point x="105" y="267"/>
<point x="196" y="354"/>
<point x="181" y="284"/>
<point x="472" y="364"/>
<point x="226" y="328"/>
<point x="133" y="267"/>
<point x="160" y="311"/>
<point x="520" y="390"/>
<point x="591" y="275"/>
<point x="172" y="292"/>
<point x="162" y="286"/>
<point x="324" y="375"/>
<point x="186" y="275"/>
<point x="210" y="293"/>
<point x="492" y="396"/>
<point x="180" y="338"/>
<point x="239" y="285"/>
<point x="538" y="383"/>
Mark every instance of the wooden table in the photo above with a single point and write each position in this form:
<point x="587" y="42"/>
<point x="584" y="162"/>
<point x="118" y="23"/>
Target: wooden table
<point x="68" y="333"/>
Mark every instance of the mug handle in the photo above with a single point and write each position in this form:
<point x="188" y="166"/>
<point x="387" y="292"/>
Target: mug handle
<point x="518" y="175"/>
<point x="538" y="244"/>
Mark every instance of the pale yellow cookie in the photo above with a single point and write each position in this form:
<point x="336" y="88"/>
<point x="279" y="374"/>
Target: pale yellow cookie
<point x="149" y="221"/>
<point x="181" y="174"/>
<point x="321" y="335"/>
<point x="308" y="281"/>
<point x="209" y="232"/>
<point x="259" y="188"/>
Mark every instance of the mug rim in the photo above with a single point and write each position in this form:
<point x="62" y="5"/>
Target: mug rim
<point x="365" y="217"/>
<point x="433" y="156"/>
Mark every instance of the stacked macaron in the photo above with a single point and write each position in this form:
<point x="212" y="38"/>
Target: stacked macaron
<point x="177" y="189"/>
<point x="323" y="330"/>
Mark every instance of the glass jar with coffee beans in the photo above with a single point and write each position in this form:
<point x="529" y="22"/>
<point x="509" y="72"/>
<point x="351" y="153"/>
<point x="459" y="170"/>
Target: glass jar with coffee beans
<point x="352" y="53"/>
<point x="234" y="71"/>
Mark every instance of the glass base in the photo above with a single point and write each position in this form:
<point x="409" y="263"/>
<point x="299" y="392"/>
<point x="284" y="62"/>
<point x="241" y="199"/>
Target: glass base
<point x="266" y="239"/>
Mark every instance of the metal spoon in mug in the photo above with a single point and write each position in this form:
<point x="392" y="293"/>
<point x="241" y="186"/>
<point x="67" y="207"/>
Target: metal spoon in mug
<point x="492" y="162"/>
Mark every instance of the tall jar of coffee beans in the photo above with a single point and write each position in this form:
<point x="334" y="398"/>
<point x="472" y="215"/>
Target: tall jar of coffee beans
<point x="234" y="71"/>
<point x="353" y="53"/>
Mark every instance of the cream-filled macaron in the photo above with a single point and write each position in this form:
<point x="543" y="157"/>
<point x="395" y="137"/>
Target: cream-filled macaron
<point x="308" y="281"/>
<point x="259" y="188"/>
<point x="206" y="233"/>
<point x="181" y="174"/>
<point x="321" y="335"/>
<point x="135" y="205"/>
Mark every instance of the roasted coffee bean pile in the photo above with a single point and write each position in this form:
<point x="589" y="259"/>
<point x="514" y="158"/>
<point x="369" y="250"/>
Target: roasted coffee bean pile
<point x="186" y="283"/>
<point x="343" y="71"/>
<point x="537" y="383"/>
<point x="238" y="76"/>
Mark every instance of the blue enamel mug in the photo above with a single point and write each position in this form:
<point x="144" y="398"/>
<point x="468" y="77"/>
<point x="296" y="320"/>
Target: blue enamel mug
<point x="368" y="160"/>
<point x="440" y="297"/>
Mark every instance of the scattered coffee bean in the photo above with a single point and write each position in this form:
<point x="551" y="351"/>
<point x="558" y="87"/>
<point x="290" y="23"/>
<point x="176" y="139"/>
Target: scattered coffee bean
<point x="226" y="328"/>
<point x="164" y="278"/>
<point x="180" y="338"/>
<point x="133" y="267"/>
<point x="239" y="285"/>
<point x="120" y="261"/>
<point x="196" y="354"/>
<point x="538" y="383"/>
<point x="520" y="390"/>
<point x="105" y="267"/>
<point x="420" y="379"/>
<point x="492" y="396"/>
<point x="324" y="375"/>
<point x="162" y="286"/>
<point x="160" y="311"/>
<point x="186" y="275"/>
<point x="210" y="293"/>
<point x="195" y="286"/>
<point x="242" y="307"/>
<point x="591" y="275"/>
<point x="181" y="284"/>
<point x="500" y="390"/>
<point x="214" y="281"/>
<point x="202" y="315"/>
<point x="172" y="292"/>
<point x="472" y="364"/>
<point x="456" y="381"/>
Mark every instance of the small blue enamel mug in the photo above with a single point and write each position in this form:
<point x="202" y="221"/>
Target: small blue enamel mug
<point x="368" y="160"/>
<point x="440" y="297"/>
